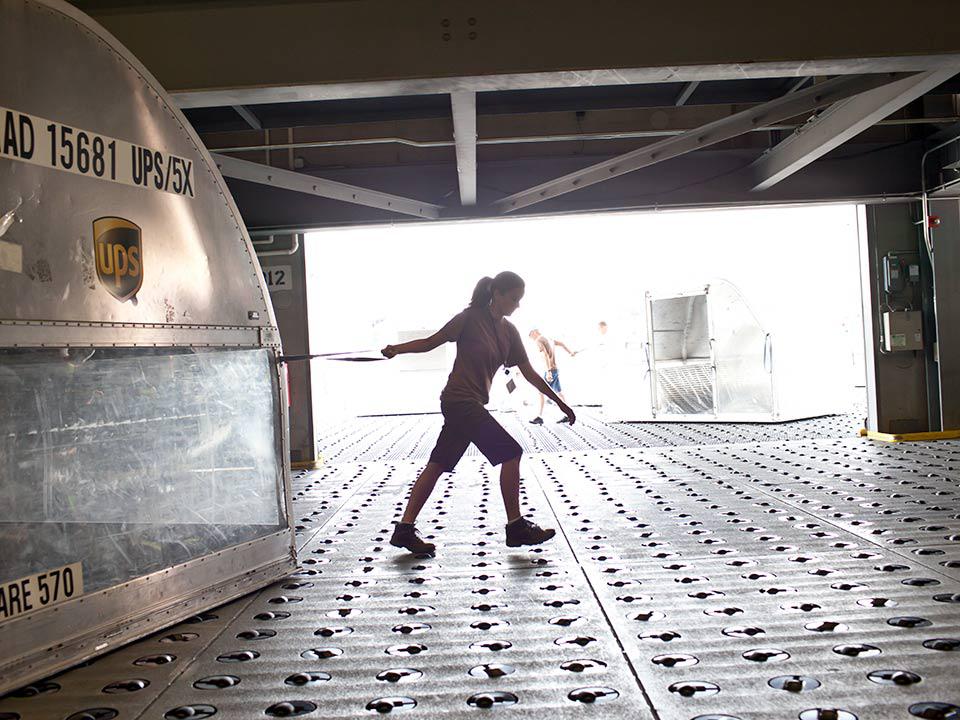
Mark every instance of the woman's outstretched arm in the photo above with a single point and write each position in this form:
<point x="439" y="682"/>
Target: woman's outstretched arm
<point x="531" y="376"/>
<point x="416" y="346"/>
<point x="448" y="333"/>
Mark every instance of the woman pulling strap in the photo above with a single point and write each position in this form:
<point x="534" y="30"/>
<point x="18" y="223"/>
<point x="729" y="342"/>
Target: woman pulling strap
<point x="485" y="342"/>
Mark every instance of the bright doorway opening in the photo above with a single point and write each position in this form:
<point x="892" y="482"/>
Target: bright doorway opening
<point x="794" y="270"/>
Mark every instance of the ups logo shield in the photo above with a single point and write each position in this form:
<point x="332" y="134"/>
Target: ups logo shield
<point x="118" y="255"/>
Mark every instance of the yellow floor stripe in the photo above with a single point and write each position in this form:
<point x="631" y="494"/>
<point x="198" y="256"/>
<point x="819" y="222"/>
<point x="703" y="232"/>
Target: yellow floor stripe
<point x="910" y="437"/>
<point x="307" y="464"/>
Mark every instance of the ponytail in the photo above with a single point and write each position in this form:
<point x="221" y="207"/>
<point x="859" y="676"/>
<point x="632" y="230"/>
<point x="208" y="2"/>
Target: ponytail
<point x="483" y="292"/>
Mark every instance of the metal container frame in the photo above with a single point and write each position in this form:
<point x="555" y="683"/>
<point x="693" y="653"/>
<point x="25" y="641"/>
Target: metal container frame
<point x="717" y="415"/>
<point x="46" y="641"/>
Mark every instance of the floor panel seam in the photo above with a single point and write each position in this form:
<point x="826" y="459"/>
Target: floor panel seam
<point x="603" y="610"/>
<point x="196" y="656"/>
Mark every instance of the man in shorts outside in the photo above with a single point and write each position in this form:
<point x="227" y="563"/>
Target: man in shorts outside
<point x="552" y="375"/>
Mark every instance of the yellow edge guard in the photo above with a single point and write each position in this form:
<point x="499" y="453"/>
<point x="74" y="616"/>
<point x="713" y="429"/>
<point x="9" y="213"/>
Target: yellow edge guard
<point x="308" y="464"/>
<point x="910" y="437"/>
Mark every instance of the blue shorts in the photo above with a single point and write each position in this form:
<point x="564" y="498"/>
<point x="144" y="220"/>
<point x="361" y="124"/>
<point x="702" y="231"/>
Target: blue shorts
<point x="555" y="383"/>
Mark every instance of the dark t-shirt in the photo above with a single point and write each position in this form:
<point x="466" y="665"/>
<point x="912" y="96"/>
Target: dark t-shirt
<point x="483" y="345"/>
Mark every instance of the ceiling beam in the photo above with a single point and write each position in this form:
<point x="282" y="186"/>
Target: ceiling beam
<point x="429" y="133"/>
<point x="252" y="120"/>
<point x="236" y="93"/>
<point x="839" y="123"/>
<point x="777" y="110"/>
<point x="686" y="93"/>
<point x="303" y="183"/>
<point x="464" y="108"/>
<point x="244" y="45"/>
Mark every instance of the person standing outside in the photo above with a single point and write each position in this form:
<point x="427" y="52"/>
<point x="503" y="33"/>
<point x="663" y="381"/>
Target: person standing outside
<point x="552" y="375"/>
<point x="602" y="365"/>
<point x="485" y="340"/>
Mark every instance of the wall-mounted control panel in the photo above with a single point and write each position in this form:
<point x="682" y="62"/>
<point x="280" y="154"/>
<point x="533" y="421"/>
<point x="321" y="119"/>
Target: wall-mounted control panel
<point x="897" y="274"/>
<point x="902" y="330"/>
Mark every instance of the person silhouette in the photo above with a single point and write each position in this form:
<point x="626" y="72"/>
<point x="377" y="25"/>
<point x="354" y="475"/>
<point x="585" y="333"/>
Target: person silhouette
<point x="552" y="375"/>
<point x="485" y="340"/>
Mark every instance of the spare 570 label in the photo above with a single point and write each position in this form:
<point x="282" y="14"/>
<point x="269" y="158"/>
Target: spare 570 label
<point x="40" y="590"/>
<point x="52" y="144"/>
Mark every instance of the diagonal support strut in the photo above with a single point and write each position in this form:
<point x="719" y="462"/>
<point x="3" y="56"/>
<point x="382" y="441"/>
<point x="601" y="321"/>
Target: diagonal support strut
<point x="248" y="116"/>
<point x="787" y="106"/>
<point x="303" y="183"/>
<point x="685" y="94"/>
<point x="839" y="123"/>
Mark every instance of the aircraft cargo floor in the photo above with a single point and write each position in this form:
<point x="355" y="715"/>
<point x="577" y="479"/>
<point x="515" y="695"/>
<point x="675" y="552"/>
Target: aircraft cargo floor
<point x="710" y="571"/>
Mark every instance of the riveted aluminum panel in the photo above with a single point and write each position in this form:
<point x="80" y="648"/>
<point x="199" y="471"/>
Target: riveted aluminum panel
<point x="117" y="231"/>
<point x="197" y="264"/>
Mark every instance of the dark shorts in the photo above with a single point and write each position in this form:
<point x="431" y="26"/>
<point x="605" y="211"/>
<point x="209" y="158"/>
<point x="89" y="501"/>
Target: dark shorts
<point x="469" y="422"/>
<point x="555" y="383"/>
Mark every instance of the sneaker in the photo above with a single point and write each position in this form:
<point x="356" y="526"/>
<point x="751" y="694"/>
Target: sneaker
<point x="564" y="419"/>
<point x="405" y="536"/>
<point x="537" y="421"/>
<point x="525" y="532"/>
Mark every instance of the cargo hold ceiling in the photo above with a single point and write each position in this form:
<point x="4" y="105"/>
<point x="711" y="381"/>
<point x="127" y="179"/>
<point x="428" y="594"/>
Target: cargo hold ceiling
<point x="410" y="115"/>
<point x="407" y="146"/>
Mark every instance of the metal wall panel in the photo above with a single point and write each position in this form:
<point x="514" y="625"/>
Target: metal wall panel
<point x="896" y="382"/>
<point x="288" y="294"/>
<point x="946" y="240"/>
